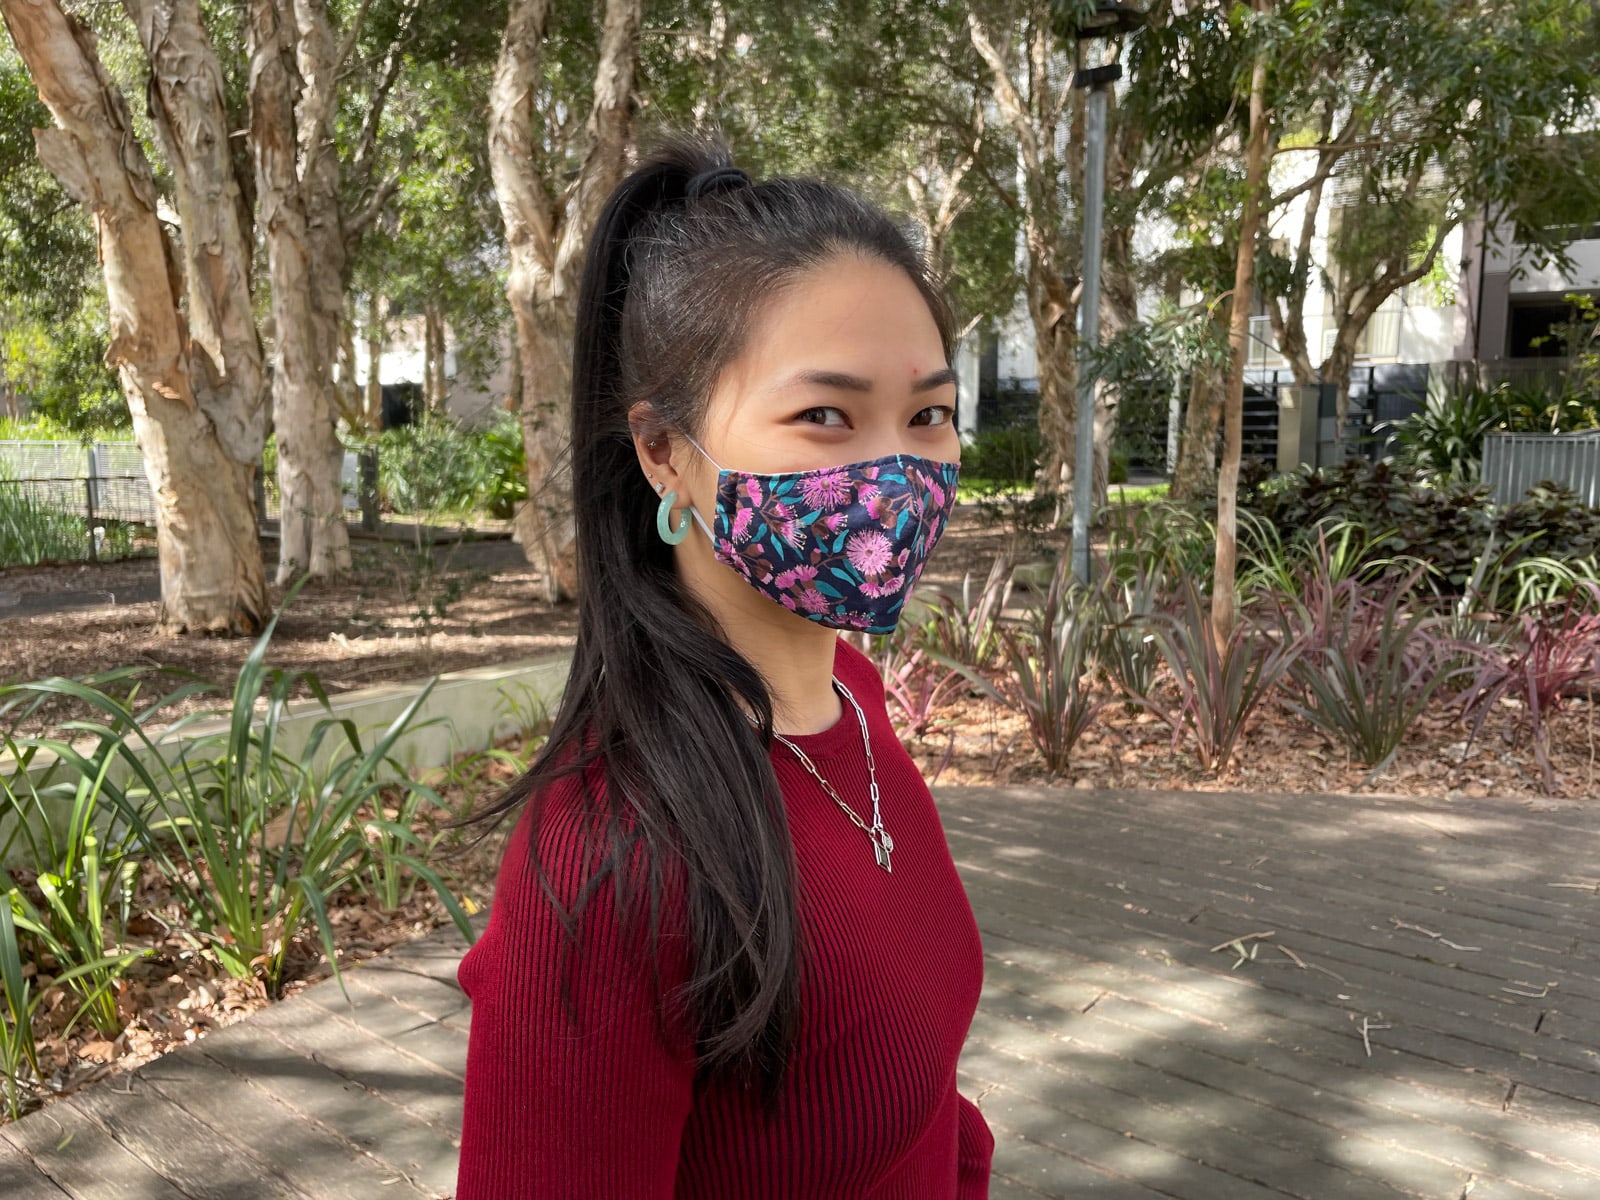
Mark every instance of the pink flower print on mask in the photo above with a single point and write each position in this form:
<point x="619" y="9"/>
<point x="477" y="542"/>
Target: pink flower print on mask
<point x="825" y="489"/>
<point x="784" y="524"/>
<point x="787" y="580"/>
<point x="868" y="551"/>
<point x="840" y="545"/>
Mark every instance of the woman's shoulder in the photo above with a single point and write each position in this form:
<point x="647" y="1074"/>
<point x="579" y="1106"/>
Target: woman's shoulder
<point x="570" y="832"/>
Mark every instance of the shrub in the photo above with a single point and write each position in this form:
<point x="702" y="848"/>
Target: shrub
<point x="1026" y="516"/>
<point x="1219" y="688"/>
<point x="1044" y="670"/>
<point x="252" y="841"/>
<point x="505" y="483"/>
<point x="435" y="465"/>
<point x="1173" y="539"/>
<point x="81" y="882"/>
<point x="1553" y="652"/>
<point x="1453" y="528"/>
<point x="19" y="1003"/>
<point x="1369" y="663"/>
<point x="32" y="532"/>
<point x="1444" y="442"/>
<point x="1128" y="654"/>
<point x="917" y="687"/>
<point x="1001" y="459"/>
<point x="963" y="630"/>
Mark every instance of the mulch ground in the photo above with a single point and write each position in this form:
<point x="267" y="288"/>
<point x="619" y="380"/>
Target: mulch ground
<point x="403" y="613"/>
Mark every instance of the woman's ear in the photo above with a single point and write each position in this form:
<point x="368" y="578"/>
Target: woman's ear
<point x="653" y="444"/>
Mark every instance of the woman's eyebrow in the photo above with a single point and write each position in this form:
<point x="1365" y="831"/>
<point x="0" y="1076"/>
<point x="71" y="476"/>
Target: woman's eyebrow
<point x="938" y="379"/>
<point x="855" y="383"/>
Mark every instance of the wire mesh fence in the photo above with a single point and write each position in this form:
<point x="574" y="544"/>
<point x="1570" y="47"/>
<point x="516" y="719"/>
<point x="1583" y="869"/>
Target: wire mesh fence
<point x="73" y="520"/>
<point x="78" y="502"/>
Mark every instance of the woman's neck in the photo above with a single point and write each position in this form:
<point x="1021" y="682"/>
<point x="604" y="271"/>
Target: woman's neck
<point x="793" y="655"/>
<point x="798" y="668"/>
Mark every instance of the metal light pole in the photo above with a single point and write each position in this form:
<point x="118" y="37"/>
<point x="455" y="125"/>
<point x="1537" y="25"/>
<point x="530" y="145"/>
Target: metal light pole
<point x="1110" y="20"/>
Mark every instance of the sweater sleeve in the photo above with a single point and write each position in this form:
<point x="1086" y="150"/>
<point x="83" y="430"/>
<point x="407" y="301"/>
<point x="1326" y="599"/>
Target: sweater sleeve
<point x="975" y="1156"/>
<point x="553" y="1110"/>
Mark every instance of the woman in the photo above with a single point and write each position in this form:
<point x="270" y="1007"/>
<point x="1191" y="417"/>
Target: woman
<point x="729" y="954"/>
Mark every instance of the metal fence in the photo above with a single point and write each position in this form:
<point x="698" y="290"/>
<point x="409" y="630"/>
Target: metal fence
<point x="102" y="480"/>
<point x="75" y="500"/>
<point x="1515" y="462"/>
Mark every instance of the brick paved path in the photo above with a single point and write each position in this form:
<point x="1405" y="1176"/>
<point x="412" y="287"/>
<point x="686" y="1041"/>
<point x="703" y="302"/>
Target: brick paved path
<point x="1412" y="1010"/>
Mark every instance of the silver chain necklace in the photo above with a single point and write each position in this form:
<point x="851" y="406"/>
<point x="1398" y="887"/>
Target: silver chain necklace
<point x="882" y="843"/>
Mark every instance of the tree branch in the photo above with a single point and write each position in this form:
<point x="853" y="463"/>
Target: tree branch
<point x="1007" y="97"/>
<point x="355" y="224"/>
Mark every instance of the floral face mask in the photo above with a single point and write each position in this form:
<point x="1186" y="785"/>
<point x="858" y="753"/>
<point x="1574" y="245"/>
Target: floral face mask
<point x="841" y="546"/>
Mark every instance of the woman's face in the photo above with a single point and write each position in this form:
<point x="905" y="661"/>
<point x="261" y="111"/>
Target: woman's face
<point x="846" y="366"/>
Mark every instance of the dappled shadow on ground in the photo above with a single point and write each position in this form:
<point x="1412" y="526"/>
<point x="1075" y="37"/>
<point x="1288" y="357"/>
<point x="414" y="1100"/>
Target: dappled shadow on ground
<point x="1214" y="995"/>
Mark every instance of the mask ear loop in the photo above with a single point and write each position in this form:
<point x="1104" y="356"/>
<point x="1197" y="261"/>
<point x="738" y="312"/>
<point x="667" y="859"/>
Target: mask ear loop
<point x="721" y="470"/>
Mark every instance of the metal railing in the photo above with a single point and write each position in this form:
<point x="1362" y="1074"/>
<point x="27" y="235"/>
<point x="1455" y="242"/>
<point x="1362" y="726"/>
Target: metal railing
<point x="101" y="479"/>
<point x="76" y="501"/>
<point x="72" y="520"/>
<point x="1515" y="462"/>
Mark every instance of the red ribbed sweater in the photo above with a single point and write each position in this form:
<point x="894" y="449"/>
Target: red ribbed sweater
<point x="870" y="1108"/>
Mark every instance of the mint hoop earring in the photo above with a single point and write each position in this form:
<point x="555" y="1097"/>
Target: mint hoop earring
<point x="669" y="535"/>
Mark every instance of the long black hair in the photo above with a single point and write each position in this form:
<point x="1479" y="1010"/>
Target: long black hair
<point x="686" y="251"/>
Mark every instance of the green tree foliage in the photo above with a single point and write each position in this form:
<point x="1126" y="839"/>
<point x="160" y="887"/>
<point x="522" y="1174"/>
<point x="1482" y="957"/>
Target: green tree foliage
<point x="787" y="85"/>
<point x="438" y="239"/>
<point x="52" y="303"/>
<point x="1415" y="115"/>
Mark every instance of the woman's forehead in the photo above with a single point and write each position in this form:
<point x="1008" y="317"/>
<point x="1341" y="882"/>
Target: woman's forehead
<point x="851" y="323"/>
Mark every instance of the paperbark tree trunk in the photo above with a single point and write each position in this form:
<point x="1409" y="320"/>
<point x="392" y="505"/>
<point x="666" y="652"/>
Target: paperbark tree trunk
<point x="1119" y="291"/>
<point x="1224" y="603"/>
<point x="193" y="379"/>
<point x="313" y="536"/>
<point x="328" y="241"/>
<point x="546" y="237"/>
<point x="1032" y="108"/>
<point x="1054" y="313"/>
<point x="348" y="396"/>
<point x="436" y="393"/>
<point x="1119" y="310"/>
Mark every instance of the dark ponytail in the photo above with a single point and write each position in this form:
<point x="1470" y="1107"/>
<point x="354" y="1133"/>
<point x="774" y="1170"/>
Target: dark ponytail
<point x="685" y="252"/>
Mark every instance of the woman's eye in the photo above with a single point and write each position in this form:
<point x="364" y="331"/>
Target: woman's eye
<point x="824" y="416"/>
<point x="935" y="414"/>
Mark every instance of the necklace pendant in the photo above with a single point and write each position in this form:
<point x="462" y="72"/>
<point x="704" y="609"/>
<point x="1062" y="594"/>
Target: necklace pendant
<point x="881" y="849"/>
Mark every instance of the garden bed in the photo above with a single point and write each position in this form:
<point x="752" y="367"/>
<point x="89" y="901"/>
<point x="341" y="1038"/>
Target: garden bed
<point x="176" y="994"/>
